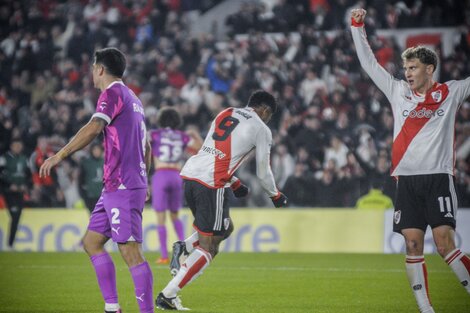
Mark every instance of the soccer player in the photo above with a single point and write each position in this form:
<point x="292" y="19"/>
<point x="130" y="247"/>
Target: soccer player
<point x="118" y="213"/>
<point x="168" y="146"/>
<point x="233" y="134"/>
<point x="422" y="156"/>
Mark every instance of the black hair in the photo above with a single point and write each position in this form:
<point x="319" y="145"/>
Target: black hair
<point x="113" y="61"/>
<point x="169" y="117"/>
<point x="261" y="98"/>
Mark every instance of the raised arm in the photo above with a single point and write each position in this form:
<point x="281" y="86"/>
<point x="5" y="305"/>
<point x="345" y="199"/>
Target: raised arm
<point x="82" y="138"/>
<point x="376" y="72"/>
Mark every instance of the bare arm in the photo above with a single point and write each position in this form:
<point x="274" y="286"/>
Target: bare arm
<point x="82" y="138"/>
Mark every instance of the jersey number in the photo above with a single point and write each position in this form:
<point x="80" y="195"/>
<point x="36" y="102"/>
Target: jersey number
<point x="227" y="125"/>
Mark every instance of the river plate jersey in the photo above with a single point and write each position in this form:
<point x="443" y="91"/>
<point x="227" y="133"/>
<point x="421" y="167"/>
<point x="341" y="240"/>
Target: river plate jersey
<point x="124" y="138"/>
<point x="233" y="134"/>
<point x="424" y="126"/>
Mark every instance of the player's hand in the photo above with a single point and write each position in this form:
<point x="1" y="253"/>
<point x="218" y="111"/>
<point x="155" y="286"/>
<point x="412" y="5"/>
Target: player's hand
<point x="358" y="15"/>
<point x="47" y="166"/>
<point x="280" y="200"/>
<point x="240" y="191"/>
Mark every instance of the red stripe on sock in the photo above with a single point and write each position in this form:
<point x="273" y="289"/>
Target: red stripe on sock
<point x="453" y="256"/>
<point x="425" y="272"/>
<point x="197" y="266"/>
<point x="466" y="262"/>
<point x="412" y="261"/>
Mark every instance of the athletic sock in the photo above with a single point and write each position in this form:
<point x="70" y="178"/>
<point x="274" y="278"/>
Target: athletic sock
<point x="192" y="242"/>
<point x="179" y="229"/>
<point x="161" y="229"/>
<point x="143" y="286"/>
<point x="418" y="278"/>
<point x="193" y="267"/>
<point x="106" y="275"/>
<point x="460" y="264"/>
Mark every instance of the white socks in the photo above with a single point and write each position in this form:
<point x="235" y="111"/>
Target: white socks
<point x="418" y="278"/>
<point x="192" y="242"/>
<point x="196" y="262"/>
<point x="460" y="264"/>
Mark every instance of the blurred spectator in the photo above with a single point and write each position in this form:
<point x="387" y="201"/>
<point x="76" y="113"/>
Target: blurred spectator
<point x="299" y="187"/>
<point x="14" y="180"/>
<point x="374" y="199"/>
<point x="91" y="176"/>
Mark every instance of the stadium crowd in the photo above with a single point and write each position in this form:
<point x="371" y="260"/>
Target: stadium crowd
<point x="333" y="131"/>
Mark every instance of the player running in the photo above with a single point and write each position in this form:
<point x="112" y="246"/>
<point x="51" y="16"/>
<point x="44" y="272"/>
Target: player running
<point x="168" y="146"/>
<point x="118" y="213"/>
<point x="234" y="133"/>
<point x="423" y="156"/>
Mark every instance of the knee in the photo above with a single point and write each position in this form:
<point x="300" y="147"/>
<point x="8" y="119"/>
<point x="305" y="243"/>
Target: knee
<point x="413" y="247"/>
<point x="211" y="247"/>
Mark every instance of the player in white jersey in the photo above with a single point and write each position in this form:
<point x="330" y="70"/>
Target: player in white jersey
<point x="423" y="156"/>
<point x="234" y="133"/>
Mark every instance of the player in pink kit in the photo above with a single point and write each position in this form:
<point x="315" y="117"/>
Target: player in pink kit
<point x="423" y="156"/>
<point x="168" y="146"/>
<point x="118" y="213"/>
<point x="234" y="134"/>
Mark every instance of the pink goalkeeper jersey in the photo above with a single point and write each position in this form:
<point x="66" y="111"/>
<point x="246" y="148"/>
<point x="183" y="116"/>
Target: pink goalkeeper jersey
<point x="124" y="138"/>
<point x="234" y="133"/>
<point x="424" y="126"/>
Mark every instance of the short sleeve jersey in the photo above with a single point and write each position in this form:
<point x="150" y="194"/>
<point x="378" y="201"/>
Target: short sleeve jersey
<point x="168" y="144"/>
<point x="233" y="134"/>
<point x="424" y="125"/>
<point x="124" y="138"/>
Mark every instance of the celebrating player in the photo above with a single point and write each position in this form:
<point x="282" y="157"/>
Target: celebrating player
<point x="168" y="145"/>
<point x="118" y="213"/>
<point x="234" y="133"/>
<point x="422" y="156"/>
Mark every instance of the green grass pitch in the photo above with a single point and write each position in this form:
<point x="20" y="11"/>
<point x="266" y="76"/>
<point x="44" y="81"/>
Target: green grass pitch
<point x="235" y="282"/>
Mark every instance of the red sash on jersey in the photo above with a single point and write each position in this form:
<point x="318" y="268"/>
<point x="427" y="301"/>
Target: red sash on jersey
<point x="413" y="125"/>
<point x="222" y="166"/>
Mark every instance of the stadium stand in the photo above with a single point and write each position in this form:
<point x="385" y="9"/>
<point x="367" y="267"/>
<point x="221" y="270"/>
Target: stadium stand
<point x="333" y="131"/>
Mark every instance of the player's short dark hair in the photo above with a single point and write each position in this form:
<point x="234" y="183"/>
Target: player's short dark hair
<point x="423" y="54"/>
<point x="261" y="98"/>
<point x="113" y="61"/>
<point x="169" y="117"/>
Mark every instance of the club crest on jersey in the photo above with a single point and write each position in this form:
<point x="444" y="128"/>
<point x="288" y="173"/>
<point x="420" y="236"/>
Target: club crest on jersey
<point x="436" y="95"/>
<point x="397" y="216"/>
<point x="226" y="223"/>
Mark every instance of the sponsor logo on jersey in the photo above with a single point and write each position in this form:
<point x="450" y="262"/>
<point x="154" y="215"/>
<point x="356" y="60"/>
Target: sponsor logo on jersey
<point x="214" y="151"/>
<point x="423" y="113"/>
<point x="397" y="216"/>
<point x="103" y="106"/>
